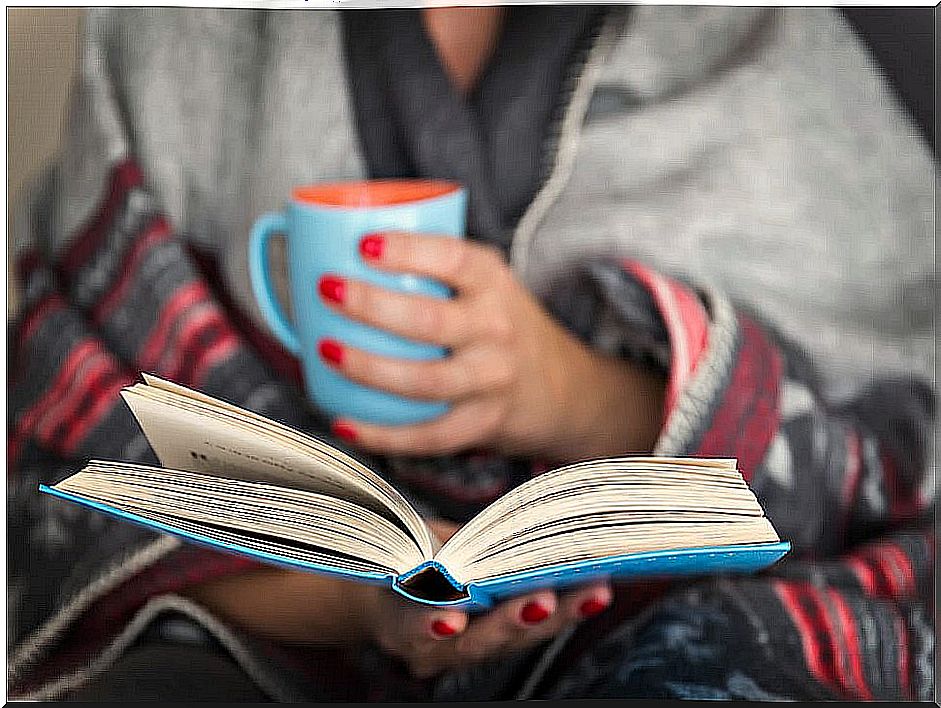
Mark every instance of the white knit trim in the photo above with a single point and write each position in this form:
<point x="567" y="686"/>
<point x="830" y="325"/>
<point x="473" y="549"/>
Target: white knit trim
<point x="679" y="339"/>
<point x="566" y="150"/>
<point x="544" y="664"/>
<point x="56" y="688"/>
<point x="45" y="634"/>
<point x="698" y="398"/>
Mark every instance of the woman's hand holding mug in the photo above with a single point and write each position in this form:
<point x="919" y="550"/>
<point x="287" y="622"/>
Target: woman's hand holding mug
<point x="517" y="381"/>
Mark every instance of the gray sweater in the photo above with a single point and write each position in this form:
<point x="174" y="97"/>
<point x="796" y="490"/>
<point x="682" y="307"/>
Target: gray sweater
<point x="758" y="151"/>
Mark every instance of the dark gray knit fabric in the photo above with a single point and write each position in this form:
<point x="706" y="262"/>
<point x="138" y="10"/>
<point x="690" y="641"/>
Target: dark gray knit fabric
<point x="495" y="141"/>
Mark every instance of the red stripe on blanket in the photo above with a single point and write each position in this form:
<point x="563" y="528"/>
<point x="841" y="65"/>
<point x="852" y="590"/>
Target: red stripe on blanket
<point x="35" y="414"/>
<point x="851" y="475"/>
<point x="903" y="503"/>
<point x="790" y="598"/>
<point x="687" y="323"/>
<point x="850" y="636"/>
<point x="92" y="370"/>
<point x="205" y="325"/>
<point x="832" y="660"/>
<point x="894" y="567"/>
<point x="32" y="320"/>
<point x="883" y="585"/>
<point x="901" y="640"/>
<point x="276" y="356"/>
<point x="78" y="354"/>
<point x="821" y="623"/>
<point x="882" y="561"/>
<point x="186" y="297"/>
<point x="851" y="469"/>
<point x="105" y="398"/>
<point x="223" y="348"/>
<point x="835" y="628"/>
<point x="157" y="232"/>
<point x="903" y="566"/>
<point x="864" y="574"/>
<point x="29" y="322"/>
<point x="125" y="176"/>
<point x="884" y="570"/>
<point x="748" y="416"/>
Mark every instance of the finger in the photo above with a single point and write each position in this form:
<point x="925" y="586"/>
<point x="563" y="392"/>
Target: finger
<point x="537" y="617"/>
<point x="430" y="647"/>
<point x="531" y="611"/>
<point x="469" y="372"/>
<point x="411" y="629"/>
<point x="586" y="602"/>
<point x="467" y="266"/>
<point x="466" y="425"/>
<point x="512" y="625"/>
<point x="448" y="323"/>
<point x="444" y="624"/>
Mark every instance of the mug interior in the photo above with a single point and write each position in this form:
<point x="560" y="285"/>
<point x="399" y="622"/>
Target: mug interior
<point x="373" y="193"/>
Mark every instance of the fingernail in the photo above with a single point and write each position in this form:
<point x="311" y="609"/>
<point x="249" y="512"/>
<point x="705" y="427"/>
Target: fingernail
<point x="372" y="246"/>
<point x="344" y="431"/>
<point x="591" y="607"/>
<point x="331" y="351"/>
<point x="332" y="288"/>
<point x="442" y="628"/>
<point x="533" y="613"/>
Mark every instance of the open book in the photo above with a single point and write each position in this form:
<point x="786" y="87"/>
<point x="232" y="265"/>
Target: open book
<point x="240" y="482"/>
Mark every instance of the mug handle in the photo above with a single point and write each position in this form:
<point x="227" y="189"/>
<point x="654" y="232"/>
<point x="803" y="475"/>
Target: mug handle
<point x="267" y="226"/>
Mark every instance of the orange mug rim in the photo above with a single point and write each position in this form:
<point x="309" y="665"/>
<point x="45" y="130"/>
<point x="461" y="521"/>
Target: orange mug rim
<point x="370" y="194"/>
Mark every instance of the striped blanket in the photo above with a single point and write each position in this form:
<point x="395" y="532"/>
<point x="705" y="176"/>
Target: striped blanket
<point x="849" y="615"/>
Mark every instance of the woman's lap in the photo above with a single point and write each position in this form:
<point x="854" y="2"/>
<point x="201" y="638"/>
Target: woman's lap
<point x="701" y="642"/>
<point x="698" y="643"/>
<point x="172" y="672"/>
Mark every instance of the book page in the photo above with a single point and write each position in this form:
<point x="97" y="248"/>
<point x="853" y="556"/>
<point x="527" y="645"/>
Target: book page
<point x="287" y="516"/>
<point x="192" y="431"/>
<point x="614" y="540"/>
<point x="184" y="439"/>
<point x="593" y="474"/>
<point x="608" y="507"/>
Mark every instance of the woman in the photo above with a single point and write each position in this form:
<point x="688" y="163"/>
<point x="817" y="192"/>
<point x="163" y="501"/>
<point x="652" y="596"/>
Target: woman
<point x="640" y="179"/>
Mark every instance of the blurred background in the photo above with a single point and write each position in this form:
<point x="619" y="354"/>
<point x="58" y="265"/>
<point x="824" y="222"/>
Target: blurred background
<point x="41" y="46"/>
<point x="41" y="53"/>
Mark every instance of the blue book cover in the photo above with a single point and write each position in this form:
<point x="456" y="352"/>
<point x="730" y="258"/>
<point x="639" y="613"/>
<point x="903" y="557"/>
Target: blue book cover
<point x="237" y="482"/>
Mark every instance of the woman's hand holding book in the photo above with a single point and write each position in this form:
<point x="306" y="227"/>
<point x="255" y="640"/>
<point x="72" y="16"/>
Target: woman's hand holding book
<point x="432" y="640"/>
<point x="303" y="608"/>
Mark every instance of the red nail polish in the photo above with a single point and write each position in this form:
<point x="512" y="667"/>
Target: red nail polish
<point x="332" y="288"/>
<point x="372" y="246"/>
<point x="331" y="351"/>
<point x="344" y="431"/>
<point x="534" y="613"/>
<point x="592" y="607"/>
<point x="442" y="628"/>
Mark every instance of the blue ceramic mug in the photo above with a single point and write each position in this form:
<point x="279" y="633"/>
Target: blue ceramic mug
<point x="323" y="226"/>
